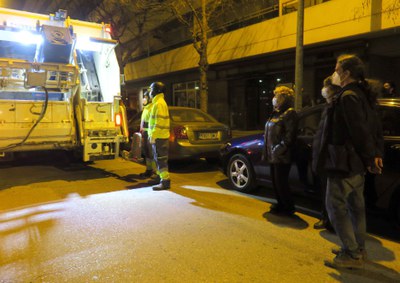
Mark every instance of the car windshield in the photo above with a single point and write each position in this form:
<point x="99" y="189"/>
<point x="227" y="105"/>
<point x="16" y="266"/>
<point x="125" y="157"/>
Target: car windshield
<point x="189" y="115"/>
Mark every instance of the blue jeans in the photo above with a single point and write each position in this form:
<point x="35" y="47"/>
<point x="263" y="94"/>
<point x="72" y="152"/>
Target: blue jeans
<point x="346" y="210"/>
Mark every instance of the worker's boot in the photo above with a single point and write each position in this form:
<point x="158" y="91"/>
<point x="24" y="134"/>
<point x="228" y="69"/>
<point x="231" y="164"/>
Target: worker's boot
<point x="163" y="185"/>
<point x="146" y="174"/>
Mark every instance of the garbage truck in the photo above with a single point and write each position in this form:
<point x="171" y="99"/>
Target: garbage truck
<point x="60" y="87"/>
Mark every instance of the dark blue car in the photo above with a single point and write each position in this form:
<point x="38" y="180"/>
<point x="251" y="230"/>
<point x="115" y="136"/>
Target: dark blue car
<point x="245" y="169"/>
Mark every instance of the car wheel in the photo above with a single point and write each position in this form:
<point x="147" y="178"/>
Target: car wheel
<point x="240" y="173"/>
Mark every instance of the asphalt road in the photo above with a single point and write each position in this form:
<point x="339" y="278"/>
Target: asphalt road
<point x="64" y="222"/>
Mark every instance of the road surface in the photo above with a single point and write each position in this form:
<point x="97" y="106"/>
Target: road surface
<point x="101" y="223"/>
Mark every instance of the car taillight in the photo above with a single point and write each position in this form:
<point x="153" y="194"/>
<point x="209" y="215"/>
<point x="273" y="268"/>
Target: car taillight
<point x="118" y="120"/>
<point x="180" y="132"/>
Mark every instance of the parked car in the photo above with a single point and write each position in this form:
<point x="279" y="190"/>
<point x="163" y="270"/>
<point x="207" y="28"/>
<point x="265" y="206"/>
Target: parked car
<point x="242" y="164"/>
<point x="194" y="134"/>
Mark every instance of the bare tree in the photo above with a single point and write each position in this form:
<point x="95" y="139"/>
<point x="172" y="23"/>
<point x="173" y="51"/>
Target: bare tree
<point x="129" y="20"/>
<point x="195" y="15"/>
<point x="138" y="24"/>
<point x="203" y="18"/>
<point x="393" y="10"/>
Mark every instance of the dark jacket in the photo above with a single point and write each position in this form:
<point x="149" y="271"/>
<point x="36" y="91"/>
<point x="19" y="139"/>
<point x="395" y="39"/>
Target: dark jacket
<point x="320" y="141"/>
<point x="279" y="136"/>
<point x="349" y="137"/>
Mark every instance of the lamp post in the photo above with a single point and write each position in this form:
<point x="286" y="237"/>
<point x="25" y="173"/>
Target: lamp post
<point x="299" y="56"/>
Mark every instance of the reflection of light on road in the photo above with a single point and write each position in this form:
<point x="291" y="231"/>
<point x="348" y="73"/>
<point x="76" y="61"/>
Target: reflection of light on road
<point x="225" y="192"/>
<point x="209" y="189"/>
<point x="73" y="196"/>
<point x="30" y="211"/>
<point x="21" y="229"/>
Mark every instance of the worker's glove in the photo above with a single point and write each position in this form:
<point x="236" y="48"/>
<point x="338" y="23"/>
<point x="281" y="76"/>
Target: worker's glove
<point x="152" y="140"/>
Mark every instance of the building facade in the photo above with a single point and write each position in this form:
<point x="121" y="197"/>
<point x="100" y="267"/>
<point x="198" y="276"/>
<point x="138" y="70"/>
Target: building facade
<point x="247" y="63"/>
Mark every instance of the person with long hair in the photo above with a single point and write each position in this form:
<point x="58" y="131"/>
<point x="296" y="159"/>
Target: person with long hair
<point x="349" y="147"/>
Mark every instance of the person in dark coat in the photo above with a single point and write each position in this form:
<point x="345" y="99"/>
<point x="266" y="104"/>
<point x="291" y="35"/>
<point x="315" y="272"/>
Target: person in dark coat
<point x="329" y="92"/>
<point x="279" y="138"/>
<point x="348" y="147"/>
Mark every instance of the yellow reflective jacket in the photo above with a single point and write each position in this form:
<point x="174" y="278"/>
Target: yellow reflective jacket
<point x="144" y="119"/>
<point x="159" y="118"/>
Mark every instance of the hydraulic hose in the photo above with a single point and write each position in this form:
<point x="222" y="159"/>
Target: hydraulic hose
<point x="41" y="115"/>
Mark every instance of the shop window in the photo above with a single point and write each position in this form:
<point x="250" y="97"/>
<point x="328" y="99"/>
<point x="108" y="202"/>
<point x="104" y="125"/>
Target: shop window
<point x="186" y="94"/>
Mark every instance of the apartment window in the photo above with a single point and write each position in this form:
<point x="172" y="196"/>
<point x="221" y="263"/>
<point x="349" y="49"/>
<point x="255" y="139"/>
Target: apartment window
<point x="186" y="94"/>
<point x="288" y="6"/>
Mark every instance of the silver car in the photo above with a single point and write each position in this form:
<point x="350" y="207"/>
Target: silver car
<point x="194" y="134"/>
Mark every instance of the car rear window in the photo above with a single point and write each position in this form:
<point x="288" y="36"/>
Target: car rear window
<point x="189" y="115"/>
<point x="390" y="120"/>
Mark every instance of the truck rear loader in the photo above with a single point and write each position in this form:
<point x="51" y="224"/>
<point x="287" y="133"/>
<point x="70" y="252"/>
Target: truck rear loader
<point x="59" y="87"/>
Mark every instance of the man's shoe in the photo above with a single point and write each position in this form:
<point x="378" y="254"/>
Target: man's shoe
<point x="338" y="251"/>
<point x="344" y="260"/>
<point x="163" y="185"/>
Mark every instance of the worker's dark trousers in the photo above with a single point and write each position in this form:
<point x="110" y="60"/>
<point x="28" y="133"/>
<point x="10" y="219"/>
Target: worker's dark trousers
<point x="160" y="151"/>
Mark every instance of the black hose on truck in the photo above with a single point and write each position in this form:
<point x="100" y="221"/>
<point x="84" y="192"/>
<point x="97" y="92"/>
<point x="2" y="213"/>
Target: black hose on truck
<point x="41" y="115"/>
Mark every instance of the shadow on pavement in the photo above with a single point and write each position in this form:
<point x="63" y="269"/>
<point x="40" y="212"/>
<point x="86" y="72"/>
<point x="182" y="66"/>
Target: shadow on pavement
<point x="143" y="183"/>
<point x="376" y="252"/>
<point x="377" y="223"/>
<point x="372" y="270"/>
<point x="293" y="221"/>
<point x="35" y="176"/>
<point x="213" y="199"/>
<point x="27" y="175"/>
<point x="191" y="166"/>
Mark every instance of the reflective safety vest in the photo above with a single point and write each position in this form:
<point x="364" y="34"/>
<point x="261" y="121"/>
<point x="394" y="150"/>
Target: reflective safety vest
<point x="144" y="119"/>
<point x="159" y="118"/>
